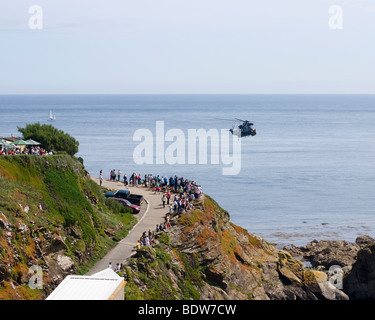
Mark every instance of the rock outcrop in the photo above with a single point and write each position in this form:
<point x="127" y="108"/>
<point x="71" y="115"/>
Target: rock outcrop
<point x="208" y="257"/>
<point x="357" y="262"/>
<point x="326" y="253"/>
<point x="359" y="283"/>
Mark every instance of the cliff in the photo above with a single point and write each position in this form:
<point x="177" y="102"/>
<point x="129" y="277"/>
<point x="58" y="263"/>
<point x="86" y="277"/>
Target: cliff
<point x="53" y="220"/>
<point x="359" y="283"/>
<point x="205" y="256"/>
<point x="56" y="220"/>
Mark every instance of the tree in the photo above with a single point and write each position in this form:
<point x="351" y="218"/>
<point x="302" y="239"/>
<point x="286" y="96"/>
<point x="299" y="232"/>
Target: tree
<point x="50" y="138"/>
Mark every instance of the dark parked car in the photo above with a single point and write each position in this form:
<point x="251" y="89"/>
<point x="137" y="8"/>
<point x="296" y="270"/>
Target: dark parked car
<point x="125" y="194"/>
<point x="126" y="203"/>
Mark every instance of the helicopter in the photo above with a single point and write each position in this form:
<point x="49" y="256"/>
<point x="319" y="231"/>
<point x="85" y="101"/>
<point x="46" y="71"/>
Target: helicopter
<point x="243" y="130"/>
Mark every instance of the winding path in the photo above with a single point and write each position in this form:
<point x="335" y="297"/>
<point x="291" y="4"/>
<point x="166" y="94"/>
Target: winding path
<point x="151" y="214"/>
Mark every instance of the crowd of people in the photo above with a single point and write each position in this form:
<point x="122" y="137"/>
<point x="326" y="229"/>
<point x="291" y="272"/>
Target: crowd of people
<point x="115" y="175"/>
<point x="185" y="191"/>
<point x="158" y="184"/>
<point x="148" y="238"/>
<point x="38" y="151"/>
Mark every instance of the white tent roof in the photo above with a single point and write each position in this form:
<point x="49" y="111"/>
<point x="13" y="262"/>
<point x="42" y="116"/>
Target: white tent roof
<point x="107" y="273"/>
<point x="100" y="286"/>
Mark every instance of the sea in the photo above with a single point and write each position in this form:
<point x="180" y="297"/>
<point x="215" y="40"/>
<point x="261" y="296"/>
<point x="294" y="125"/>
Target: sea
<point x="308" y="174"/>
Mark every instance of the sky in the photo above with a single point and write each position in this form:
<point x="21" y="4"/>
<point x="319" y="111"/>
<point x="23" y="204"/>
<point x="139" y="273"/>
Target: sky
<point x="188" y="47"/>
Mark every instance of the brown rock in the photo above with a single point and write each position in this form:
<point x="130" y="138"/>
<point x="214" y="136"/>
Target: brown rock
<point x="327" y="253"/>
<point x="360" y="282"/>
<point x="224" y="261"/>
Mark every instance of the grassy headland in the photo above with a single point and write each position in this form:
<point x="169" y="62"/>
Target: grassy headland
<point x="50" y="211"/>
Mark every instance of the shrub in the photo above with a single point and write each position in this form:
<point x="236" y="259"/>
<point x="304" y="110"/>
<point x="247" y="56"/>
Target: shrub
<point x="164" y="238"/>
<point x="50" y="138"/>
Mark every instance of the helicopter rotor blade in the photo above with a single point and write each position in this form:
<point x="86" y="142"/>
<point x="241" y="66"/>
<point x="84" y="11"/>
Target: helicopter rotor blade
<point x="245" y="121"/>
<point x="226" y="119"/>
<point x="236" y="120"/>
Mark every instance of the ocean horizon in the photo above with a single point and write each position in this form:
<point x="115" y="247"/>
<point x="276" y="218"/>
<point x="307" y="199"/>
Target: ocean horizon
<point x="307" y="174"/>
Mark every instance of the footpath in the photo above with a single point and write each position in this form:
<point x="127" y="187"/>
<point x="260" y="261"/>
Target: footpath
<point x="152" y="213"/>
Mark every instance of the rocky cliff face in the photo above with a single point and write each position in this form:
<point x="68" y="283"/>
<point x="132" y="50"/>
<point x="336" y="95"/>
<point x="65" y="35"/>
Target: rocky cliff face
<point x="53" y="217"/>
<point x="52" y="221"/>
<point x="359" y="283"/>
<point x="326" y="253"/>
<point x="356" y="262"/>
<point x="24" y="247"/>
<point x="205" y="256"/>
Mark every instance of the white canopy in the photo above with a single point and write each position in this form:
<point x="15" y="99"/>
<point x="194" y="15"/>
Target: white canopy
<point x="104" y="285"/>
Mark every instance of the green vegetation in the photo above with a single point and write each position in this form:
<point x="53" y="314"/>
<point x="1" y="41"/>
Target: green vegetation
<point x="51" y="204"/>
<point x="211" y="205"/>
<point x="50" y="138"/>
<point x="153" y="265"/>
<point x="193" y="276"/>
<point x="165" y="239"/>
<point x="155" y="272"/>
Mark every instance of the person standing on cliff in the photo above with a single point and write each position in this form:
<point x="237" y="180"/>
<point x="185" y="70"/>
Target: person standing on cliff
<point x="118" y="175"/>
<point x="101" y="177"/>
<point x="168" y="197"/>
<point x="163" y="199"/>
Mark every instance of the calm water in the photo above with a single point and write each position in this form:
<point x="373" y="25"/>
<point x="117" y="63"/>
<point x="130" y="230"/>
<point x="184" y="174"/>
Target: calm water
<point x="307" y="174"/>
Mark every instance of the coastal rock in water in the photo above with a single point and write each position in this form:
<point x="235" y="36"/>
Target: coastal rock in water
<point x="364" y="240"/>
<point x="330" y="252"/>
<point x="291" y="281"/>
<point x="360" y="282"/>
<point x="324" y="289"/>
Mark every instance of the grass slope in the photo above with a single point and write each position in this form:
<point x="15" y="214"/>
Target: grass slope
<point x="53" y="195"/>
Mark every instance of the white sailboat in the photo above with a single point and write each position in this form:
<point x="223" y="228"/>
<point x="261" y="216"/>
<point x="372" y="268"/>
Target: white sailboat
<point x="52" y="117"/>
